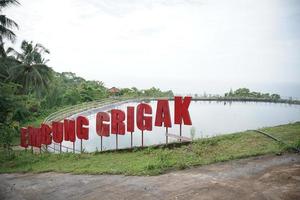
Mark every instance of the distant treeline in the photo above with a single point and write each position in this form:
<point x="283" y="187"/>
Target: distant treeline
<point x="68" y="89"/>
<point x="245" y="92"/>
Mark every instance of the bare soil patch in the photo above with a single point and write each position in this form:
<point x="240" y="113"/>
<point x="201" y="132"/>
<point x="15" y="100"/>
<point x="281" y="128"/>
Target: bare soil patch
<point x="263" y="177"/>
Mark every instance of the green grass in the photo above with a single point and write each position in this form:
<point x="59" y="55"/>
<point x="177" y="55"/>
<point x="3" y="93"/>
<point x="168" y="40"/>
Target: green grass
<point x="153" y="161"/>
<point x="34" y="121"/>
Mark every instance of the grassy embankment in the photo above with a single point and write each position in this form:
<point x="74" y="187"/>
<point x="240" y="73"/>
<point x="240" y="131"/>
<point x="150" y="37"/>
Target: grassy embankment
<point x="152" y="161"/>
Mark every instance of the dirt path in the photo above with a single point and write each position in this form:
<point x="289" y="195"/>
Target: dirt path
<point x="264" y="177"/>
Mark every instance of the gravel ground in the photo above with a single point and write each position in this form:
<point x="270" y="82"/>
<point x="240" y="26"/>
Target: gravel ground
<point x="263" y="177"/>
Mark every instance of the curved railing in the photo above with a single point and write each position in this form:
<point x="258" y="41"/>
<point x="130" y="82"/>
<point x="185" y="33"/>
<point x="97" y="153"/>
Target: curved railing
<point x="71" y="110"/>
<point x="75" y="109"/>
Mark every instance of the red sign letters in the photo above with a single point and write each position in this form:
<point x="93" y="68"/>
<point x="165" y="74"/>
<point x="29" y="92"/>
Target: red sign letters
<point x="118" y="122"/>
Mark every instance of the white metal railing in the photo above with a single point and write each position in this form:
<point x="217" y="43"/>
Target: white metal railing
<point x="71" y="110"/>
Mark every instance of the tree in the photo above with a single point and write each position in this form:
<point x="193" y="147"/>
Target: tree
<point x="126" y="92"/>
<point x="275" y="96"/>
<point x="6" y="53"/>
<point x="92" y="90"/>
<point x="7" y="60"/>
<point x="71" y="96"/>
<point x="245" y="92"/>
<point x="10" y="106"/>
<point x="7" y="24"/>
<point x="242" y="92"/>
<point x="32" y="72"/>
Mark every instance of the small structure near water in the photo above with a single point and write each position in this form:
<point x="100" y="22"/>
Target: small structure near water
<point x="113" y="91"/>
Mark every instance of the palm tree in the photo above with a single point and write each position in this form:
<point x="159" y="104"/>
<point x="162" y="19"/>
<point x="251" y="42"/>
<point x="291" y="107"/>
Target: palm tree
<point x="32" y="72"/>
<point x="6" y="53"/>
<point x="7" y="24"/>
<point x="7" y="60"/>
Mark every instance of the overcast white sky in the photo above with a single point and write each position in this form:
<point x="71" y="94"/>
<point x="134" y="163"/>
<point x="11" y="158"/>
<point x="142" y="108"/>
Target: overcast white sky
<point x="189" y="46"/>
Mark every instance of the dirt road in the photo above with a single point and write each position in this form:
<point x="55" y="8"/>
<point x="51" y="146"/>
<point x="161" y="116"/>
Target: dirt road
<point x="264" y="177"/>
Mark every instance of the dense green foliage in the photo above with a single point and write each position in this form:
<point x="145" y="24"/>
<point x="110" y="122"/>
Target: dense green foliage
<point x="152" y="161"/>
<point x="151" y="92"/>
<point x="31" y="71"/>
<point x="30" y="90"/>
<point x="245" y="92"/>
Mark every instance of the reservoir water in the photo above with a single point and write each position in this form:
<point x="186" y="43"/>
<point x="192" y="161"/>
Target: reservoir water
<point x="208" y="118"/>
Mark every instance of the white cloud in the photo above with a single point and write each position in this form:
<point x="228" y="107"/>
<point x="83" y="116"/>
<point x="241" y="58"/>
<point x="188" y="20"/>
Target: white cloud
<point x="187" y="46"/>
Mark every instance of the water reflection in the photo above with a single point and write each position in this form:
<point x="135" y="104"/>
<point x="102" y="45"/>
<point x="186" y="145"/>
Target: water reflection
<point x="208" y="118"/>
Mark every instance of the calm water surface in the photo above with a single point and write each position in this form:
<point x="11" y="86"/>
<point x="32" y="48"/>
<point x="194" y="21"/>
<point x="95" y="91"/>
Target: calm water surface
<point x="208" y="118"/>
